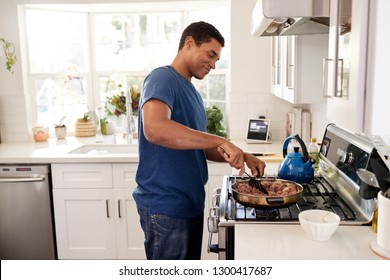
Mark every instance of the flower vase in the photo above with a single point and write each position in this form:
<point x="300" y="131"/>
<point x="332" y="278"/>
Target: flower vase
<point x="118" y="123"/>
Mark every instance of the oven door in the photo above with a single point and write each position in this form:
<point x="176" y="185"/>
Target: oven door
<point x="225" y="246"/>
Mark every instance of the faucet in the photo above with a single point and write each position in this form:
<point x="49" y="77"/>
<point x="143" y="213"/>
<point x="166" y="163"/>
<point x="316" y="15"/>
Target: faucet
<point x="130" y="124"/>
<point x="99" y="116"/>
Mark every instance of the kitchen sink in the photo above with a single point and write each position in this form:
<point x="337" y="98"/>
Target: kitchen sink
<point x="94" y="149"/>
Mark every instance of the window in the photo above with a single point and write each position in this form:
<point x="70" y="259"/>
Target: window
<point x="79" y="55"/>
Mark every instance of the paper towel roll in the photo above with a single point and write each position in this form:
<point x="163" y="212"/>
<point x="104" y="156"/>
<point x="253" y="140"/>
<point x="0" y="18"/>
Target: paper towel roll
<point x="383" y="228"/>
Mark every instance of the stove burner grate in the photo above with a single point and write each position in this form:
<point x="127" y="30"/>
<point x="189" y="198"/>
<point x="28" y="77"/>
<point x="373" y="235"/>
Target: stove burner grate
<point x="316" y="195"/>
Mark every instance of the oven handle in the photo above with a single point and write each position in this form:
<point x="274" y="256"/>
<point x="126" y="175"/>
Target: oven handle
<point x="213" y="248"/>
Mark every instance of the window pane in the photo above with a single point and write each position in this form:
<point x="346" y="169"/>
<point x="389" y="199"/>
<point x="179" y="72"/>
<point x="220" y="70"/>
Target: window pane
<point x="56" y="39"/>
<point x="109" y="85"/>
<point x="219" y="17"/>
<point x="201" y="86"/>
<point x="56" y="98"/>
<point x="136" y="42"/>
<point x="217" y="87"/>
<point x="125" y="47"/>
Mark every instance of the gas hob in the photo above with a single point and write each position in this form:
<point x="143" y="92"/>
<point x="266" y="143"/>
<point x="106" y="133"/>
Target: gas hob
<point x="317" y="194"/>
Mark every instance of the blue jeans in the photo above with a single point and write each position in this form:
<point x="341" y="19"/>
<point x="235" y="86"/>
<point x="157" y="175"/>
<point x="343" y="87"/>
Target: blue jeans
<point x="168" y="238"/>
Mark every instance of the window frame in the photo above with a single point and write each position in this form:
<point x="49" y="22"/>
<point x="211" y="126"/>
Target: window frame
<point x="92" y="75"/>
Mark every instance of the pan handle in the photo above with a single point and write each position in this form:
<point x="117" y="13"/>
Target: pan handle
<point x="274" y="200"/>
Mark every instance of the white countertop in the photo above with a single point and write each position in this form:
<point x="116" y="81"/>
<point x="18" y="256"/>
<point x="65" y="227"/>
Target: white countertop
<point x="57" y="151"/>
<point x="274" y="148"/>
<point x="289" y="242"/>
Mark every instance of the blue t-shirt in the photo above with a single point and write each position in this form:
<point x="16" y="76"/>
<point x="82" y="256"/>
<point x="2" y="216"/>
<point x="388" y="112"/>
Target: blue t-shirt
<point x="171" y="182"/>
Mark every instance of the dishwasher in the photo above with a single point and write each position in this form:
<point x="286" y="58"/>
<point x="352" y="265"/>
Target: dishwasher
<point x="26" y="216"/>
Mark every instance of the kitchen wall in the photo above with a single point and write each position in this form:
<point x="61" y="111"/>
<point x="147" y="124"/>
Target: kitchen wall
<point x="377" y="87"/>
<point x="249" y="93"/>
<point x="13" y="109"/>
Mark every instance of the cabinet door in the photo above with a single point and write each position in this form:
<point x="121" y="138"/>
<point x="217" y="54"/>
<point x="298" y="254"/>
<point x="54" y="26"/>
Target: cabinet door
<point x="290" y="62"/>
<point x="303" y="68"/>
<point x="85" y="223"/>
<point x="289" y="92"/>
<point x="339" y="55"/>
<point x="276" y="49"/>
<point x="297" y="67"/>
<point x="129" y="235"/>
<point x="345" y="72"/>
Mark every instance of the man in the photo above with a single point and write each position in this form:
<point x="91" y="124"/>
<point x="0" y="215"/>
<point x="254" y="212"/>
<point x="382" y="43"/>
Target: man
<point x="174" y="148"/>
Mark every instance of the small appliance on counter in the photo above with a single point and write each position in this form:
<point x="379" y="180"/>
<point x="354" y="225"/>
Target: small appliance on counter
<point x="258" y="131"/>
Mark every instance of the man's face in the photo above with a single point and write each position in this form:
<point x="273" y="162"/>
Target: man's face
<point x="202" y="59"/>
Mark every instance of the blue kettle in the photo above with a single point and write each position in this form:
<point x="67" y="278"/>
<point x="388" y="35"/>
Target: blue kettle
<point x="296" y="166"/>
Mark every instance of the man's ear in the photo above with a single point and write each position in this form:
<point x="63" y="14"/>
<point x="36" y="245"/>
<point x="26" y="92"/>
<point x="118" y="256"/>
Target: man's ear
<point x="189" y="42"/>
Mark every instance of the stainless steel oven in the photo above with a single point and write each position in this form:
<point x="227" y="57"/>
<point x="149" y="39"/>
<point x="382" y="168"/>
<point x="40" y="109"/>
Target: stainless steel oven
<point x="336" y="188"/>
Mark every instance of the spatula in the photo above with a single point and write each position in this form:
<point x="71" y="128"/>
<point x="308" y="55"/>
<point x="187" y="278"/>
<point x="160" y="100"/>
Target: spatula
<point x="256" y="184"/>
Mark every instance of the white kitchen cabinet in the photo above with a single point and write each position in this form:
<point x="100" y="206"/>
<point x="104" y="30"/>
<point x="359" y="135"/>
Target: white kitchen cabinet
<point x="96" y="220"/>
<point x="85" y="228"/>
<point x="277" y="47"/>
<point x="345" y="68"/>
<point x="95" y="214"/>
<point x="297" y="63"/>
<point x="129" y="235"/>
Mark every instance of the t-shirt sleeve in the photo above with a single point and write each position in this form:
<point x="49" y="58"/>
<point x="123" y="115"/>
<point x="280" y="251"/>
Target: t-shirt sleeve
<point x="160" y="84"/>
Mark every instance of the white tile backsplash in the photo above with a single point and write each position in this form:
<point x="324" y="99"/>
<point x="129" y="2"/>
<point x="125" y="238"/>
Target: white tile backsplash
<point x="246" y="105"/>
<point x="13" y="119"/>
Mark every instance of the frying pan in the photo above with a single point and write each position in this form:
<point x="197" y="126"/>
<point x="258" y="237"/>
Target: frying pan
<point x="267" y="200"/>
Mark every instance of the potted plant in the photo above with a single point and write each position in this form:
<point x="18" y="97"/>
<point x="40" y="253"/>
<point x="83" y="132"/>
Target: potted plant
<point x="60" y="129"/>
<point x="9" y="53"/>
<point x="214" y="119"/>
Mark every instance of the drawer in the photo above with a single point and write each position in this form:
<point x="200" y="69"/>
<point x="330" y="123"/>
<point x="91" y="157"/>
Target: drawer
<point x="124" y="175"/>
<point x="82" y="176"/>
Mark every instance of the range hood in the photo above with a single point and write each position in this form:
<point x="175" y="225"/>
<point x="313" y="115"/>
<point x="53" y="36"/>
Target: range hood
<point x="290" y="17"/>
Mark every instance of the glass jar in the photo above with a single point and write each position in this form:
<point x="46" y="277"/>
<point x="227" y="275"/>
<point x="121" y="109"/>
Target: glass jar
<point x="41" y="133"/>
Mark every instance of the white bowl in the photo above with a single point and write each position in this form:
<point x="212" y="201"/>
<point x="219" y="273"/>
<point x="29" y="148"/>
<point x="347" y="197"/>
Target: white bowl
<point x="319" y="225"/>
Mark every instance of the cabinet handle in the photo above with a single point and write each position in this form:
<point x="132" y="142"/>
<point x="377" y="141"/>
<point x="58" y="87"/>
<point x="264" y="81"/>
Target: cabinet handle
<point x="276" y="60"/>
<point x="290" y="76"/>
<point x="327" y="78"/>
<point x="107" y="210"/>
<point x="332" y="78"/>
<point x="119" y="209"/>
<point x="340" y="78"/>
<point x="290" y="57"/>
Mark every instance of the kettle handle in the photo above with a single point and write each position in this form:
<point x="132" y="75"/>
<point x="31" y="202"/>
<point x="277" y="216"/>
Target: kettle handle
<point x="301" y="143"/>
